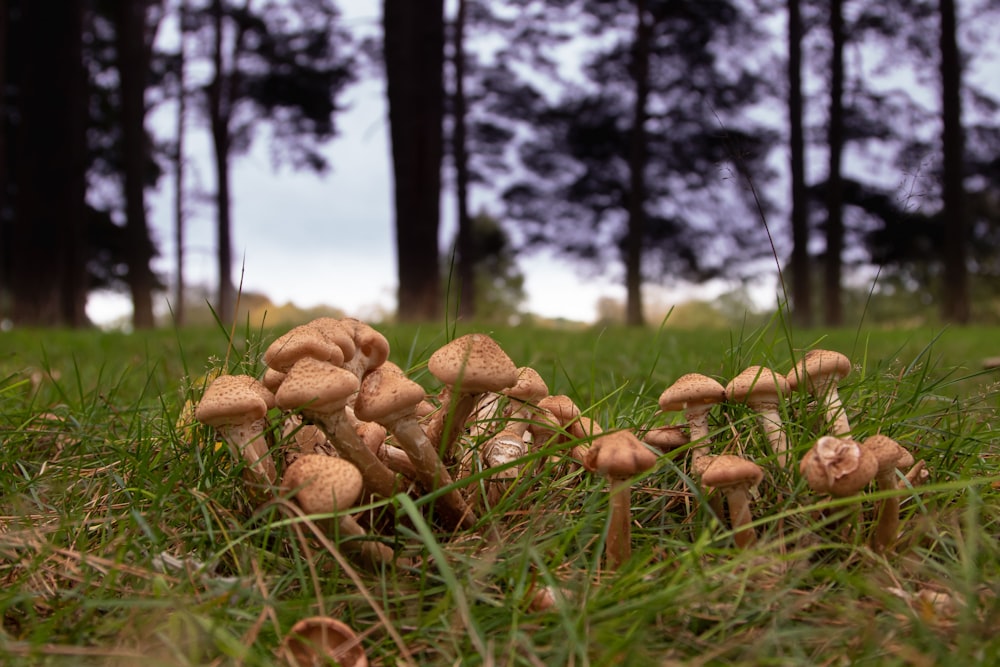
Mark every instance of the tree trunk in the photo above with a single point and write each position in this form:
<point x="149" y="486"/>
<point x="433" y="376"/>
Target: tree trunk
<point x="637" y="171"/>
<point x="5" y="239"/>
<point x="955" y="289"/>
<point x="465" y="248"/>
<point x="801" y="306"/>
<point x="220" y="109"/>
<point x="48" y="270"/>
<point x="130" y="18"/>
<point x="179" y="306"/>
<point x="414" y="58"/>
<point x="833" y="310"/>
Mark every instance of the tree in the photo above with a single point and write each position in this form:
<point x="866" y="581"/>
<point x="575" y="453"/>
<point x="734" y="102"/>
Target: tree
<point x="282" y="64"/>
<point x="47" y="267"/>
<point x="801" y="273"/>
<point x="590" y="150"/>
<point x="832" y="258"/>
<point x="133" y="45"/>
<point x="497" y="281"/>
<point x="955" y="282"/>
<point x="413" y="43"/>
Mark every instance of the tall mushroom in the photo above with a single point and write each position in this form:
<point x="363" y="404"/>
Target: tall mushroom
<point x="321" y="391"/>
<point x="469" y="365"/>
<point x="619" y="456"/>
<point x="236" y="405"/>
<point x="890" y="456"/>
<point x="694" y="394"/>
<point x="735" y="477"/>
<point x="761" y="389"/>
<point x="819" y="372"/>
<point x="390" y="399"/>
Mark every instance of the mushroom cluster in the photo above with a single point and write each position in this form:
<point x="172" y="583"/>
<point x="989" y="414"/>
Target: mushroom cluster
<point x="352" y="426"/>
<point x="835" y="465"/>
<point x="333" y="423"/>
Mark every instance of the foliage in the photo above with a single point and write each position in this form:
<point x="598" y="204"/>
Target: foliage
<point x="127" y="536"/>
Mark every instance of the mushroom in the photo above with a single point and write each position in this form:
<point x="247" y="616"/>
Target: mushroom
<point x="735" y="477"/>
<point x="321" y="640"/>
<point x="390" y="399"/>
<point x="761" y="389"/>
<point x="328" y="484"/>
<point x="694" y="394"/>
<point x="371" y="347"/>
<point x="838" y="466"/>
<point x="469" y="365"/>
<point x="890" y="456"/>
<point x="298" y="342"/>
<point x="236" y="406"/>
<point x="666" y="439"/>
<point x="619" y="456"/>
<point x="820" y="371"/>
<point x="321" y="391"/>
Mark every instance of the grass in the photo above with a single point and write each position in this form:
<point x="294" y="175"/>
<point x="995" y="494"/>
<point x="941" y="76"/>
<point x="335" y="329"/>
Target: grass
<point x="126" y="536"/>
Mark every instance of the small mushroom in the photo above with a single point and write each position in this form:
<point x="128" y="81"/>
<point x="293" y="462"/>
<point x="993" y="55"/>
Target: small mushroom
<point x="619" y="456"/>
<point x="838" y="466"/>
<point x="328" y="484"/>
<point x="694" y="394"/>
<point x="236" y="405"/>
<point x="321" y="640"/>
<point x="761" y="389"/>
<point x="321" y="391"/>
<point x="819" y="372"/>
<point x="735" y="477"/>
<point x="298" y="342"/>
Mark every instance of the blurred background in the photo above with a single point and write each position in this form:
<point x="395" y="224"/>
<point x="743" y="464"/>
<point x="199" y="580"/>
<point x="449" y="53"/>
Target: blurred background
<point x="562" y="162"/>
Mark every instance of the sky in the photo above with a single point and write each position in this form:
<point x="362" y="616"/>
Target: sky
<point x="327" y="239"/>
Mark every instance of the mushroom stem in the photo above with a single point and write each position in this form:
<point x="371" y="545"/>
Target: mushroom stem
<point x="378" y="478"/>
<point x="836" y="415"/>
<point x="770" y="422"/>
<point x="618" y="548"/>
<point x="887" y="510"/>
<point x="697" y="420"/>
<point x="431" y="471"/>
<point x="740" y="516"/>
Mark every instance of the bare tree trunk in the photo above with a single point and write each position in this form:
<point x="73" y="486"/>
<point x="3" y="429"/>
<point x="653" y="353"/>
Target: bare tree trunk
<point x="955" y="288"/>
<point x="220" y="109"/>
<point x="48" y="271"/>
<point x="832" y="298"/>
<point x="637" y="171"/>
<point x="5" y="240"/>
<point x="465" y="248"/>
<point x="130" y="31"/>
<point x="179" y="306"/>
<point x="801" y="271"/>
<point x="414" y="59"/>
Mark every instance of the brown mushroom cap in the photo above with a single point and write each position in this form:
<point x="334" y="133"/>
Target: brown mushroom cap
<point x="756" y="384"/>
<point x="298" y="342"/>
<point x="689" y="390"/>
<point x="371" y="345"/>
<point x="618" y="455"/>
<point x="727" y="470"/>
<point x="475" y="363"/>
<point x="321" y="640"/>
<point x="838" y="466"/>
<point x="666" y="438"/>
<point x="889" y="453"/>
<point x="336" y="332"/>
<point x="322" y="484"/>
<point x="316" y="386"/>
<point x="817" y="368"/>
<point x="233" y="399"/>
<point x="529" y="388"/>
<point x="385" y="394"/>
